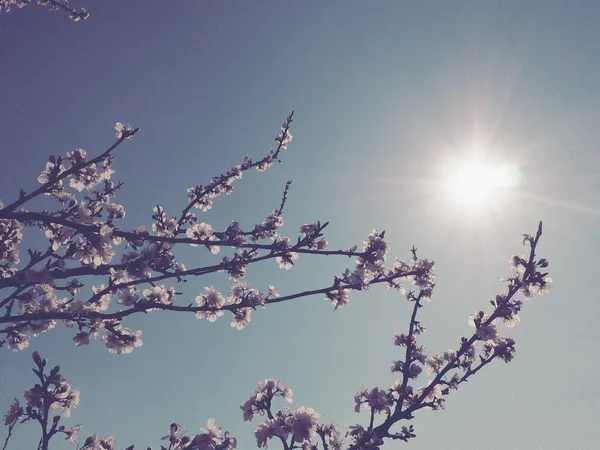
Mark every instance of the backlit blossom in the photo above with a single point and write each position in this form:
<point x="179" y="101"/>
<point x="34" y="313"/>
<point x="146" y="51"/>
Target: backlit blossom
<point x="508" y="316"/>
<point x="71" y="434"/>
<point x="376" y="399"/>
<point x="403" y="340"/>
<point x="202" y="232"/>
<point x="81" y="338"/>
<point x="262" y="434"/>
<point x="286" y="261"/>
<point x="121" y="340"/>
<point x="115" y="210"/>
<point x="159" y="294"/>
<point x="37" y="327"/>
<point x="51" y="172"/>
<point x="124" y="130"/>
<point x="10" y="237"/>
<point x="102" y="302"/>
<point x="304" y="424"/>
<point x="285" y="137"/>
<point x="268" y="228"/>
<point x="14" y="413"/>
<point x="504" y="348"/>
<point x="17" y="341"/>
<point x="93" y="442"/>
<point x="163" y="225"/>
<point x="86" y="178"/>
<point x="212" y="299"/>
<point x="260" y="400"/>
<point x="476" y="319"/>
<point x="338" y="298"/>
<point x="434" y="364"/>
<point x="544" y="287"/>
<point x="271" y="428"/>
<point x="434" y="392"/>
<point x="209" y="439"/>
<point x="332" y="435"/>
<point x="487" y="333"/>
<point x="128" y="296"/>
<point x="59" y="235"/>
<point x="95" y="250"/>
<point x="241" y="318"/>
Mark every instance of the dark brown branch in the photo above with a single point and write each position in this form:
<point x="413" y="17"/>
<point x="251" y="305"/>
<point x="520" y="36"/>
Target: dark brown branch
<point x="57" y="315"/>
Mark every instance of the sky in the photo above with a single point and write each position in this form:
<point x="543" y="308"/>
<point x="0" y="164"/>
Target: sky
<point x="388" y="97"/>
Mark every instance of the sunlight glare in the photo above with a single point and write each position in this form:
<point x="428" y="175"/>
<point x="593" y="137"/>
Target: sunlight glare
<point x="475" y="185"/>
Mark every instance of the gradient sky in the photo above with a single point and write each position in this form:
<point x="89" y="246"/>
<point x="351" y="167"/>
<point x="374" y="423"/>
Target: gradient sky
<point x="384" y="93"/>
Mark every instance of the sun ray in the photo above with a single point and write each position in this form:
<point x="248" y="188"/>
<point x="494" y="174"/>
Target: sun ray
<point x="584" y="209"/>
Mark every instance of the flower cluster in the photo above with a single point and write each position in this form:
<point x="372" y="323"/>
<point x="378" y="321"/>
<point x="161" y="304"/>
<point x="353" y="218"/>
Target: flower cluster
<point x="52" y="392"/>
<point x="10" y="231"/>
<point x="14" y="413"/>
<point x="259" y="403"/>
<point x="201" y="197"/>
<point x="372" y="264"/>
<point x="211" y="438"/>
<point x="453" y="367"/>
<point x="94" y="442"/>
<point x="57" y="392"/>
<point x="121" y="340"/>
<point x="330" y="436"/>
<point x="287" y="257"/>
<point x="298" y="424"/>
<point x="202" y="232"/>
<point x="6" y="5"/>
<point x="74" y="15"/>
<point x="361" y="438"/>
<point x="84" y="242"/>
<point x="268" y="228"/>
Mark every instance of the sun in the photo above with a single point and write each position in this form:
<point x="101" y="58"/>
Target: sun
<point x="475" y="183"/>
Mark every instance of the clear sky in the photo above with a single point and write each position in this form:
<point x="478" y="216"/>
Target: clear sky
<point x="385" y="93"/>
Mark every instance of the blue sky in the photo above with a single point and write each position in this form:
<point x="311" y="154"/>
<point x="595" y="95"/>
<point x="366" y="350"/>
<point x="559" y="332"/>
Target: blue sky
<point x="384" y="93"/>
